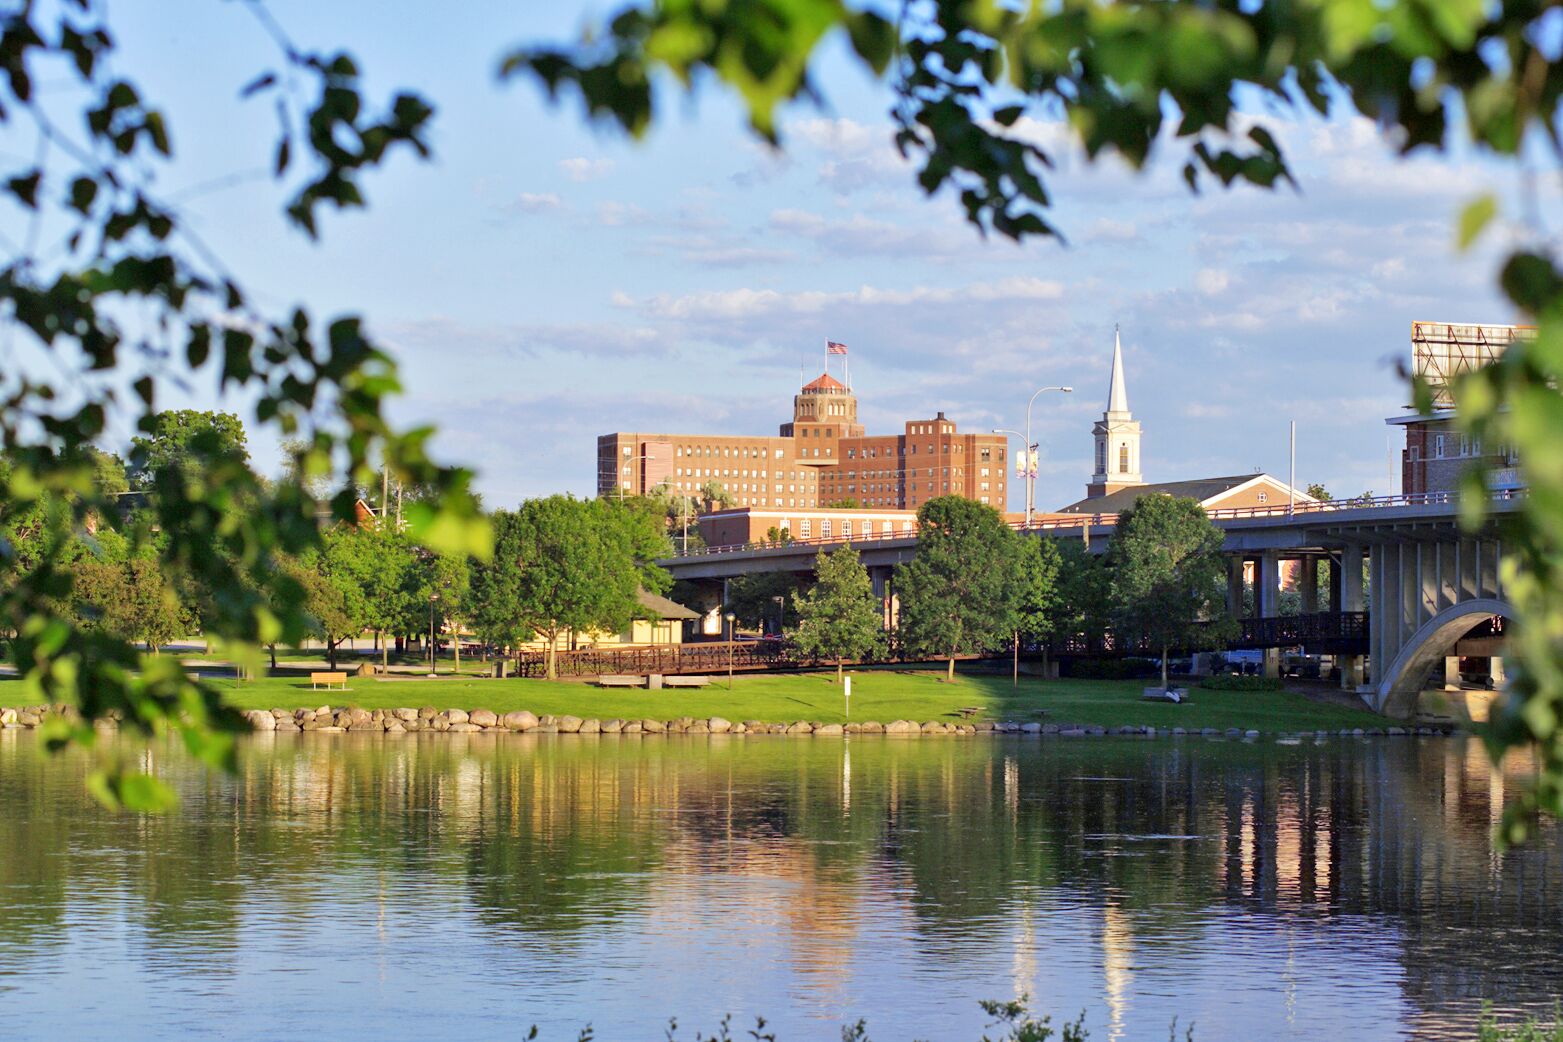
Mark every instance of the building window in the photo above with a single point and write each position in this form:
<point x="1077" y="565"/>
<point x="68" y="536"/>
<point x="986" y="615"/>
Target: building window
<point x="1264" y="497"/>
<point x="1438" y="446"/>
<point x="1465" y="444"/>
<point x="1416" y="453"/>
<point x="1123" y="459"/>
<point x="1101" y="457"/>
<point x="807" y="528"/>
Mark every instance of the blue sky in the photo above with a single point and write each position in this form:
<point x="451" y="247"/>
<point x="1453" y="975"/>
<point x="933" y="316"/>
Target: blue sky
<point x="543" y="281"/>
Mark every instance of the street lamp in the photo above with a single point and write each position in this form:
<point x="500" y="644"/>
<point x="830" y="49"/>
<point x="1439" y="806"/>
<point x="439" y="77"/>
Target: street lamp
<point x="1025" y="452"/>
<point x="433" y="597"/>
<point x="781" y="613"/>
<point x="640" y="484"/>
<point x="1031" y="478"/>
<point x="730" y="618"/>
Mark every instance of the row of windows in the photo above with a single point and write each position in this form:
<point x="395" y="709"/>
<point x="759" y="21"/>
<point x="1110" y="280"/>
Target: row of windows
<point x="827" y="529"/>
<point x="1441" y="447"/>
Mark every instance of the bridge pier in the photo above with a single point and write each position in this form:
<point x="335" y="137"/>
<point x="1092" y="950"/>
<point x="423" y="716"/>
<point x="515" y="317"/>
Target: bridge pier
<point x="1267" y="602"/>
<point x="1346" y="594"/>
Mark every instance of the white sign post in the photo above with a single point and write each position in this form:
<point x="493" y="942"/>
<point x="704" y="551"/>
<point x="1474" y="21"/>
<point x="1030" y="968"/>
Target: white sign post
<point x="846" y="694"/>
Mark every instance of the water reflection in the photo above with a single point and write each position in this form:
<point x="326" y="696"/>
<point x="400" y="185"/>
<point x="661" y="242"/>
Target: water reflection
<point x="347" y="886"/>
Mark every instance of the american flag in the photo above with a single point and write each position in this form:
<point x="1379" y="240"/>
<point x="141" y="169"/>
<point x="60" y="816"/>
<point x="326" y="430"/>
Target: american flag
<point x="833" y="348"/>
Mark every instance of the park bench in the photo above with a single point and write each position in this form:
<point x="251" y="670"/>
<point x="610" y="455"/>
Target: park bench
<point x="686" y="681"/>
<point x="328" y="679"/>
<point x="619" y="680"/>
<point x="967" y="712"/>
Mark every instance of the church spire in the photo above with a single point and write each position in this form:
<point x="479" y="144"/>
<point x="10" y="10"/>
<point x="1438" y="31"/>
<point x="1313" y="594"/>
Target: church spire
<point x="1117" y="435"/>
<point x="1117" y="393"/>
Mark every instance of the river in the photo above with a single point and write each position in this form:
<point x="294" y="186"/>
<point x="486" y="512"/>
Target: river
<point x="363" y="887"/>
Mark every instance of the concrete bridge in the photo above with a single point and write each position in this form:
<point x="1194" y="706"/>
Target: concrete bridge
<point x="1430" y="589"/>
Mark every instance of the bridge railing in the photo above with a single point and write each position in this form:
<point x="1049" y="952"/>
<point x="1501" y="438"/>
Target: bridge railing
<point x="1055" y="523"/>
<point x="1326" y="630"/>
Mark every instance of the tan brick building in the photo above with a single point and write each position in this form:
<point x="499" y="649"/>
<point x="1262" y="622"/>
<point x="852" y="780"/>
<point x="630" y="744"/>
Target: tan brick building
<point x="822" y="456"/>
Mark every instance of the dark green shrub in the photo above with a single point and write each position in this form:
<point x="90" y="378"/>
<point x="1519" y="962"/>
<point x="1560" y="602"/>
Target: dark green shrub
<point x="1233" y="682"/>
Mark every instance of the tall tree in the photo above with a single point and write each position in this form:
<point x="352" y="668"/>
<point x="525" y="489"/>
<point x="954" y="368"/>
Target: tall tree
<point x="840" y="617"/>
<point x="1084" y="606"/>
<point x="346" y="563"/>
<point x="1036" y="593"/>
<point x="495" y="587"/>
<point x="763" y="599"/>
<point x="130" y="599"/>
<point x="186" y="441"/>
<point x="1167" y="575"/>
<point x="958" y="595"/>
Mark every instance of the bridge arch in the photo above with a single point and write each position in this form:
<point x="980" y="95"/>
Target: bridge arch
<point x="1399" y="684"/>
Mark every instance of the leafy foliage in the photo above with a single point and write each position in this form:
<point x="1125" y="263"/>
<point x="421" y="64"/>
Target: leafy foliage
<point x="840" y="617"/>
<point x="1167" y="572"/>
<point x="128" y="251"/>
<point x="959" y="594"/>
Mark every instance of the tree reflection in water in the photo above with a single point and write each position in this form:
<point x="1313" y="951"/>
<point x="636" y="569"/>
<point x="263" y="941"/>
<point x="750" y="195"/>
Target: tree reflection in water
<point x="888" y="879"/>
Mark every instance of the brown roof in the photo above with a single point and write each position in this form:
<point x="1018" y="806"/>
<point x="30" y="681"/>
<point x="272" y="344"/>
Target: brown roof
<point x="1117" y="502"/>
<point x="825" y="382"/>
<point x="664" y="608"/>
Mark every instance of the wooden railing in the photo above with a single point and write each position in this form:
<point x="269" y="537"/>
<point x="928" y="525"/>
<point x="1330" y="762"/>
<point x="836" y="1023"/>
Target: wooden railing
<point x="669" y="659"/>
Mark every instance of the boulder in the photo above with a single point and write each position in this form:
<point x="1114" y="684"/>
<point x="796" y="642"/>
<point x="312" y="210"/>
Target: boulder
<point x="754" y="726"/>
<point x="739" y="728"/>
<point x="568" y="724"/>
<point x="282" y="714"/>
<point x="28" y="718"/>
<point x="1033" y="728"/>
<point x="427" y="713"/>
<point x="901" y="727"/>
<point x="873" y="727"/>
<point x="631" y="727"/>
<point x="366" y="669"/>
<point x="717" y="725"/>
<point x="519" y="720"/>
<point x="405" y="715"/>
<point x="830" y="730"/>
<point x="456" y="716"/>
<point x="801" y="727"/>
<point x="612" y="726"/>
<point x="303" y="715"/>
<point x="7" y="716"/>
<point x="1050" y="728"/>
<point x="698" y="727"/>
<point x="287" y="725"/>
<point x="933" y="727"/>
<point x="653" y="726"/>
<point x="464" y="727"/>
<point x="853" y="728"/>
<point x="259" y="719"/>
<point x="483" y="717"/>
<point x="593" y="726"/>
<point x="323" y="711"/>
<point x="394" y="726"/>
<point x="414" y="725"/>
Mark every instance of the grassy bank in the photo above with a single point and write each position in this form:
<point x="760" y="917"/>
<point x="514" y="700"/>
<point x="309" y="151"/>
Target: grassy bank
<point x="881" y="695"/>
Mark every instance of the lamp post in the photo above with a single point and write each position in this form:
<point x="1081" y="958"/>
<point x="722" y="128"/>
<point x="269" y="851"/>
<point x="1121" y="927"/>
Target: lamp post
<point x="618" y="480"/>
<point x="730" y="618"/>
<point x="433" y="598"/>
<point x="781" y="613"/>
<point x="1031" y="479"/>
<point x="1025" y="453"/>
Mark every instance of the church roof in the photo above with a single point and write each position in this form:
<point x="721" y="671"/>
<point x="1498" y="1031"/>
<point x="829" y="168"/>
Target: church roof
<point x="1202" y="489"/>
<point x="824" y="382"/>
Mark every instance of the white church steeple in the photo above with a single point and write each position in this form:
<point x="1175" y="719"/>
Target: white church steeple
<point x="1117" y="435"/>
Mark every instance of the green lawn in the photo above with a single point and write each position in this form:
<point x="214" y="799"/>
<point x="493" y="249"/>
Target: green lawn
<point x="881" y="695"/>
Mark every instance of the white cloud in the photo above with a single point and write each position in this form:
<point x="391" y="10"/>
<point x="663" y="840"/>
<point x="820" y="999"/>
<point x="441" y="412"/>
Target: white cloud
<point x="536" y="202"/>
<point x="580" y="169"/>
<point x="1211" y="281"/>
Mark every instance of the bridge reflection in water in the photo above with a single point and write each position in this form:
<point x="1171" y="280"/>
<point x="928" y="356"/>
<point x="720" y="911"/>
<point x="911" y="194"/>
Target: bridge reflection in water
<point x="1262" y="890"/>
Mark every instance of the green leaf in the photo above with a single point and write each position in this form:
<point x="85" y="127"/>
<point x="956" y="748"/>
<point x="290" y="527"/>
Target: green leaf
<point x="1475" y="217"/>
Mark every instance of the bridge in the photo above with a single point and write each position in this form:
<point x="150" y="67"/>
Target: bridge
<point x="1407" y="586"/>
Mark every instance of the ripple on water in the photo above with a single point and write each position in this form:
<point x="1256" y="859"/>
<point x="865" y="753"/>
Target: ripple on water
<point x="354" y="890"/>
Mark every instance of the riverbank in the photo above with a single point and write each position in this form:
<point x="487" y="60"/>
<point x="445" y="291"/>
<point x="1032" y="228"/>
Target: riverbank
<point x="882" y="695"/>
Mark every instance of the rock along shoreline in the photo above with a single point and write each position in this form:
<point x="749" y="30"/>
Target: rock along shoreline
<point x="327" y="719"/>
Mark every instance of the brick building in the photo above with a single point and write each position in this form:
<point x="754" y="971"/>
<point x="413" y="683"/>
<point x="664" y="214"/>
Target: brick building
<point x="1436" y="452"/>
<point x="822" y="456"/>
